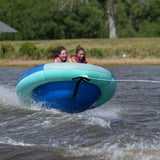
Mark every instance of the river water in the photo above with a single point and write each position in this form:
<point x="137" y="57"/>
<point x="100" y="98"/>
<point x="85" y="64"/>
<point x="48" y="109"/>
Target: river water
<point x="125" y="128"/>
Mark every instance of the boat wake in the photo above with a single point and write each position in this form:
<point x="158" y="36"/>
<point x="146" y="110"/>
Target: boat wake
<point x="99" y="116"/>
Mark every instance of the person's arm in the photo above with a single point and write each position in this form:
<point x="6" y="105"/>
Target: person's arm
<point x="69" y="59"/>
<point x="73" y="60"/>
<point x="55" y="60"/>
<point x="88" y="62"/>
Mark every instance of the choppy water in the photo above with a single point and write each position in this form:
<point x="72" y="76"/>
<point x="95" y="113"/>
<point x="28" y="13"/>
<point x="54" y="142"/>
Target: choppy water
<point x="125" y="128"/>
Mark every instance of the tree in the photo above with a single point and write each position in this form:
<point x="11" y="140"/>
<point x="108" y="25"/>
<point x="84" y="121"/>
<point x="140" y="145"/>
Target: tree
<point x="111" y="18"/>
<point x="83" y="20"/>
<point x="111" y="12"/>
<point x="138" y="18"/>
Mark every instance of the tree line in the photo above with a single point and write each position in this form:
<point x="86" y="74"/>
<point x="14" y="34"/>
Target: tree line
<point x="65" y="19"/>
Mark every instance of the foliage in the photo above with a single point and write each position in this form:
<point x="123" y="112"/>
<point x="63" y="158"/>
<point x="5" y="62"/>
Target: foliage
<point x="6" y="49"/>
<point x="139" y="48"/>
<point x="135" y="18"/>
<point x="60" y="19"/>
<point x="29" y="49"/>
<point x="95" y="52"/>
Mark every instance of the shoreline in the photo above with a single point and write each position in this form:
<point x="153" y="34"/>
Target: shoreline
<point x="99" y="62"/>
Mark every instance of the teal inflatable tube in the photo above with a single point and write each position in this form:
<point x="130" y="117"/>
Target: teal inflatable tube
<point x="68" y="87"/>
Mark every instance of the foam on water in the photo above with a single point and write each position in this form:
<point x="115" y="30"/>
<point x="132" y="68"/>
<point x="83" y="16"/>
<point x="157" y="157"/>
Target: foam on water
<point x="105" y="111"/>
<point x="136" y="151"/>
<point x="10" y="141"/>
<point x="103" y="115"/>
<point x="8" y="96"/>
<point x="116" y="148"/>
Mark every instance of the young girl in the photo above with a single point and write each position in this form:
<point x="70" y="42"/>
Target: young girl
<point x="60" y="55"/>
<point x="79" y="56"/>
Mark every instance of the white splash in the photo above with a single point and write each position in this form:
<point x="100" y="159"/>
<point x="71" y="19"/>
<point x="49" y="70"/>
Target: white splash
<point x="10" y="141"/>
<point x="8" y="96"/>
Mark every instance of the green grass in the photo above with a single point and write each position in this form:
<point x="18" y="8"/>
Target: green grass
<point x="96" y="49"/>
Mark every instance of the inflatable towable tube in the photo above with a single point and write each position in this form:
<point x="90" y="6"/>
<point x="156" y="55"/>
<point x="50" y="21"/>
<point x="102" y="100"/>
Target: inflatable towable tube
<point x="68" y="87"/>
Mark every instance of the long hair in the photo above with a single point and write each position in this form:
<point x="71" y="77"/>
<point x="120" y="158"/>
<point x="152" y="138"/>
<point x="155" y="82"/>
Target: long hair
<point x="56" y="51"/>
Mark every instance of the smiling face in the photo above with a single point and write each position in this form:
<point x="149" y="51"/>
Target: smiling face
<point x="63" y="55"/>
<point x="80" y="55"/>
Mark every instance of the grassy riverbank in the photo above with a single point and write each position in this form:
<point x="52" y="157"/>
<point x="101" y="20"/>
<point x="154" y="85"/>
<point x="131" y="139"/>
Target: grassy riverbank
<point x="126" y="51"/>
<point x="100" y="62"/>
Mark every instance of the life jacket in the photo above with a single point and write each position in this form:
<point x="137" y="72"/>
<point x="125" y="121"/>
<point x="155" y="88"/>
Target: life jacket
<point x="59" y="60"/>
<point x="77" y="60"/>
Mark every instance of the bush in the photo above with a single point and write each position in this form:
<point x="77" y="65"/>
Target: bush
<point x="6" y="49"/>
<point x="30" y="50"/>
<point x="95" y="52"/>
<point x="155" y="53"/>
<point x="71" y="52"/>
<point x="42" y="53"/>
